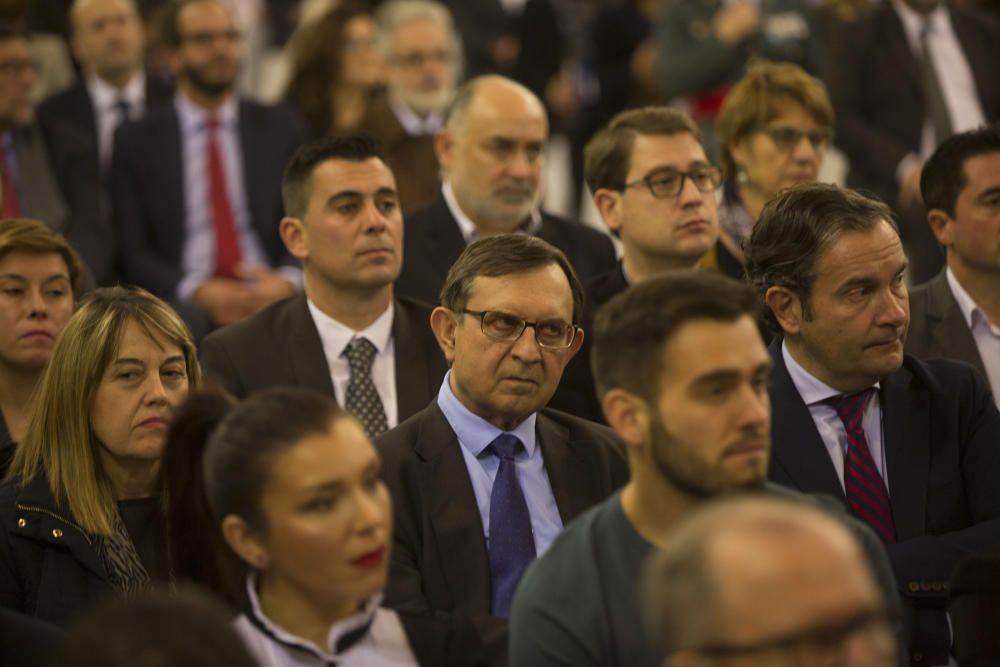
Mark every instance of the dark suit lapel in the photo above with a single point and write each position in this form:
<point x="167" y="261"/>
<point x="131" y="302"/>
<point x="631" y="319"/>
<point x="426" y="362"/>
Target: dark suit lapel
<point x="444" y="242"/>
<point x="255" y="144"/>
<point x="906" y="410"/>
<point x="569" y="477"/>
<point x="898" y="46"/>
<point x="412" y="379"/>
<point x="308" y="362"/>
<point x="947" y="324"/>
<point x="168" y="177"/>
<point x="798" y="454"/>
<point x="453" y="512"/>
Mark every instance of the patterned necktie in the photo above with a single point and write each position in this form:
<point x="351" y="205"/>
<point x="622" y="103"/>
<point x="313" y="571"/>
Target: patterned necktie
<point x="867" y="496"/>
<point x="123" y="110"/>
<point x="512" y="546"/>
<point x="227" y="244"/>
<point x="362" y="399"/>
<point x="937" y="110"/>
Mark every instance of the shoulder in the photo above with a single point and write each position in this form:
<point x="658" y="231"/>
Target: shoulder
<point x="580" y="429"/>
<point x="64" y="103"/>
<point x="271" y="322"/>
<point x="413" y="310"/>
<point x="426" y="216"/>
<point x="566" y="228"/>
<point x="399" y="443"/>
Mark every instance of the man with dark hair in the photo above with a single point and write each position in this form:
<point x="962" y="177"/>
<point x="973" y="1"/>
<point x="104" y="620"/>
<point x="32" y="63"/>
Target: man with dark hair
<point x="907" y="446"/>
<point x="682" y="373"/>
<point x="195" y="183"/>
<point x="344" y="224"/>
<point x="485" y="477"/>
<point x="956" y="314"/>
<point x="491" y="151"/>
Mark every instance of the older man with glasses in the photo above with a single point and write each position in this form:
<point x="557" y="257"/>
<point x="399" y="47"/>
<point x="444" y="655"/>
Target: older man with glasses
<point x="485" y="477"/>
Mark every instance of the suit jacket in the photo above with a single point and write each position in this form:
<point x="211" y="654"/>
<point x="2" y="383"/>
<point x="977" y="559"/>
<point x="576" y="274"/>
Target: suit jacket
<point x="941" y="431"/>
<point x="433" y="242"/>
<point x="148" y="189"/>
<point x="439" y="558"/>
<point x="937" y="327"/>
<point x="875" y="86"/>
<point x="280" y="346"/>
<point x="70" y="128"/>
<point x="411" y="158"/>
<point x="38" y="193"/>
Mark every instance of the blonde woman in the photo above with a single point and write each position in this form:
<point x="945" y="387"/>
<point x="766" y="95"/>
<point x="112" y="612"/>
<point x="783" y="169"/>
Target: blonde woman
<point x="79" y="512"/>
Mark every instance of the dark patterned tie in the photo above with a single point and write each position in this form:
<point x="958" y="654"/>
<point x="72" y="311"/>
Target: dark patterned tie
<point x="123" y="110"/>
<point x="867" y="496"/>
<point x="512" y="546"/>
<point x="362" y="399"/>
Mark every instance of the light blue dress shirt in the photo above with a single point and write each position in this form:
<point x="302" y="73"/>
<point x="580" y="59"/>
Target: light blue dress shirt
<point x="474" y="435"/>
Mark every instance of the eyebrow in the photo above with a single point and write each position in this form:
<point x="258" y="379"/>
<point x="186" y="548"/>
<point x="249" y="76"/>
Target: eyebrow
<point x="989" y="192"/>
<point x="338" y="484"/>
<point x="132" y="360"/>
<point x="353" y="194"/>
<point x="728" y="375"/>
<point x="18" y="276"/>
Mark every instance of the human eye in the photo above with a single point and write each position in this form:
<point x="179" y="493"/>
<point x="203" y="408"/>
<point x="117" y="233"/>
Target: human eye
<point x="552" y="332"/>
<point x="320" y="503"/>
<point x="387" y="205"/>
<point x="127" y="374"/>
<point x="347" y="208"/>
<point x="55" y="292"/>
<point x="503" y="324"/>
<point x="12" y="291"/>
<point x="501" y="148"/>
<point x="174" y="373"/>
<point x="533" y="151"/>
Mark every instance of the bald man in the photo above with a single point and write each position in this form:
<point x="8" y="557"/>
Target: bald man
<point x="491" y="151"/>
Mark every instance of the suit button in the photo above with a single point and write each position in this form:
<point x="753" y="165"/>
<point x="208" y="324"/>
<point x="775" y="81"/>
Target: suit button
<point x="937" y="586"/>
<point x="21" y="523"/>
<point x="917" y="656"/>
<point x="56" y="533"/>
<point x="913" y="586"/>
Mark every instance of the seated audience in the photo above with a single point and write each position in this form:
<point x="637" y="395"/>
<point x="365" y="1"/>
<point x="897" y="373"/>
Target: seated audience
<point x="974" y="609"/>
<point x="292" y="483"/>
<point x="909" y="447"/>
<point x="79" y="513"/>
<point x="774" y="128"/>
<point x="485" y="477"/>
<point x="346" y="336"/>
<point x="421" y="52"/>
<point x="763" y="582"/>
<point x="40" y="276"/>
<point x="336" y="69"/>
<point x="957" y="314"/>
<point x="682" y="373"/>
<point x="196" y="184"/>
<point x="491" y="151"/>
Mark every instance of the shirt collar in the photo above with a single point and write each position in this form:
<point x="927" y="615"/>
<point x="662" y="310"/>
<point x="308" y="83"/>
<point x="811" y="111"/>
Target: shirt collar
<point x="193" y="117"/>
<point x="468" y="228"/>
<point x="104" y="95"/>
<point x="811" y="389"/>
<point x="256" y="616"/>
<point x="475" y="433"/>
<point x="413" y="124"/>
<point x="338" y="335"/>
<point x="913" y="21"/>
<point x="971" y="313"/>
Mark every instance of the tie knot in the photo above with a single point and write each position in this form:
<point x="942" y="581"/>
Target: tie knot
<point x="360" y="353"/>
<point x="212" y="122"/>
<point x="506" y="446"/>
<point x="850" y="407"/>
<point x="122" y="107"/>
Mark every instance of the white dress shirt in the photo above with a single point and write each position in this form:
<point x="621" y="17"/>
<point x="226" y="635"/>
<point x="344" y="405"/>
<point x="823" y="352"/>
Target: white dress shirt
<point x="335" y="338"/>
<point x="984" y="332"/>
<point x="103" y="97"/>
<point x="411" y="123"/>
<point x="831" y="429"/>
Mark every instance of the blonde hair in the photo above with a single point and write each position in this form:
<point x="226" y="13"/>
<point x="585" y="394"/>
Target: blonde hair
<point x="32" y="237"/>
<point x="60" y="439"/>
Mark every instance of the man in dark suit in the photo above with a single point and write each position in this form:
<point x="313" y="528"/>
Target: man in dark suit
<point x="79" y="123"/>
<point x="954" y="315"/>
<point x="491" y="152"/>
<point x="910" y="447"/>
<point x="196" y="184"/>
<point x="344" y="223"/>
<point x="485" y="477"/>
<point x="899" y="89"/>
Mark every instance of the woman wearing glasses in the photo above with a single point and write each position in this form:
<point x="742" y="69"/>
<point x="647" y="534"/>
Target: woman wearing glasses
<point x="774" y="129"/>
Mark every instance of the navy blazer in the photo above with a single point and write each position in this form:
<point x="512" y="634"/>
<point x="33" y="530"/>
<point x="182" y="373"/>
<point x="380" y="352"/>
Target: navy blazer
<point x="941" y="434"/>
<point x="148" y="189"/>
<point x="433" y="242"/>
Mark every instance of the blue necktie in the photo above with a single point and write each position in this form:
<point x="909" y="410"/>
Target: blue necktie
<point x="512" y="546"/>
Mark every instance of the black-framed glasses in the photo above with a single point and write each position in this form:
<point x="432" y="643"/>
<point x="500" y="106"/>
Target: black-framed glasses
<point x="787" y="138"/>
<point x="507" y="328"/>
<point x="819" y="645"/>
<point x="670" y="182"/>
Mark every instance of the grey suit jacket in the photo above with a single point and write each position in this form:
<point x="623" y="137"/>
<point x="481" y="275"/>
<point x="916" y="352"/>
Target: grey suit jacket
<point x="37" y="190"/>
<point x="937" y="327"/>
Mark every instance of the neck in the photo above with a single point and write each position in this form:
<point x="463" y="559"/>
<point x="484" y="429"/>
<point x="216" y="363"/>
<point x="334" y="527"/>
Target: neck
<point x="349" y="105"/>
<point x="984" y="288"/>
<point x="118" y="80"/>
<point x="640" y="266"/>
<point x="203" y="99"/>
<point x="356" y="308"/>
<point x="17" y="388"/>
<point x="132" y="479"/>
<point x="310" y="618"/>
<point x="652" y="505"/>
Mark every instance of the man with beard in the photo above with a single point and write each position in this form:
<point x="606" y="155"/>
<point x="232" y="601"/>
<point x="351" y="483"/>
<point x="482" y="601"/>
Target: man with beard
<point x="682" y="373"/>
<point x="422" y="52"/>
<point x="197" y="184"/>
<point x="907" y="446"/>
<point x="491" y="151"/>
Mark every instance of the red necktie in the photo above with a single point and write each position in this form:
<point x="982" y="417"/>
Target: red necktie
<point x="10" y="208"/>
<point x="227" y="244"/>
<point x="865" y="489"/>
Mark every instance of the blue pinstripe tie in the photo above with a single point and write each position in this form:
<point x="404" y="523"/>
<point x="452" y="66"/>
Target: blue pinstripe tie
<point x="512" y="546"/>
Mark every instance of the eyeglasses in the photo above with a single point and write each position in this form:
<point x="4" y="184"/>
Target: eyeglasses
<point x="787" y="138"/>
<point x="419" y="58"/>
<point x="205" y="38"/>
<point x="820" y="645"/>
<point x="507" y="328"/>
<point x="670" y="182"/>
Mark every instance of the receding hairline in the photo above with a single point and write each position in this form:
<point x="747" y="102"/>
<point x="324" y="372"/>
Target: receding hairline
<point x="481" y="87"/>
<point x="79" y="5"/>
<point x="534" y="269"/>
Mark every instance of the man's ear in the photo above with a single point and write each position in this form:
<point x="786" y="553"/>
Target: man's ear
<point x="609" y="205"/>
<point x="942" y="225"/>
<point x="245" y="542"/>
<point x="575" y="346"/>
<point x="293" y="233"/>
<point x="787" y="308"/>
<point x="628" y="415"/>
<point x="443" y="324"/>
<point x="444" y="144"/>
